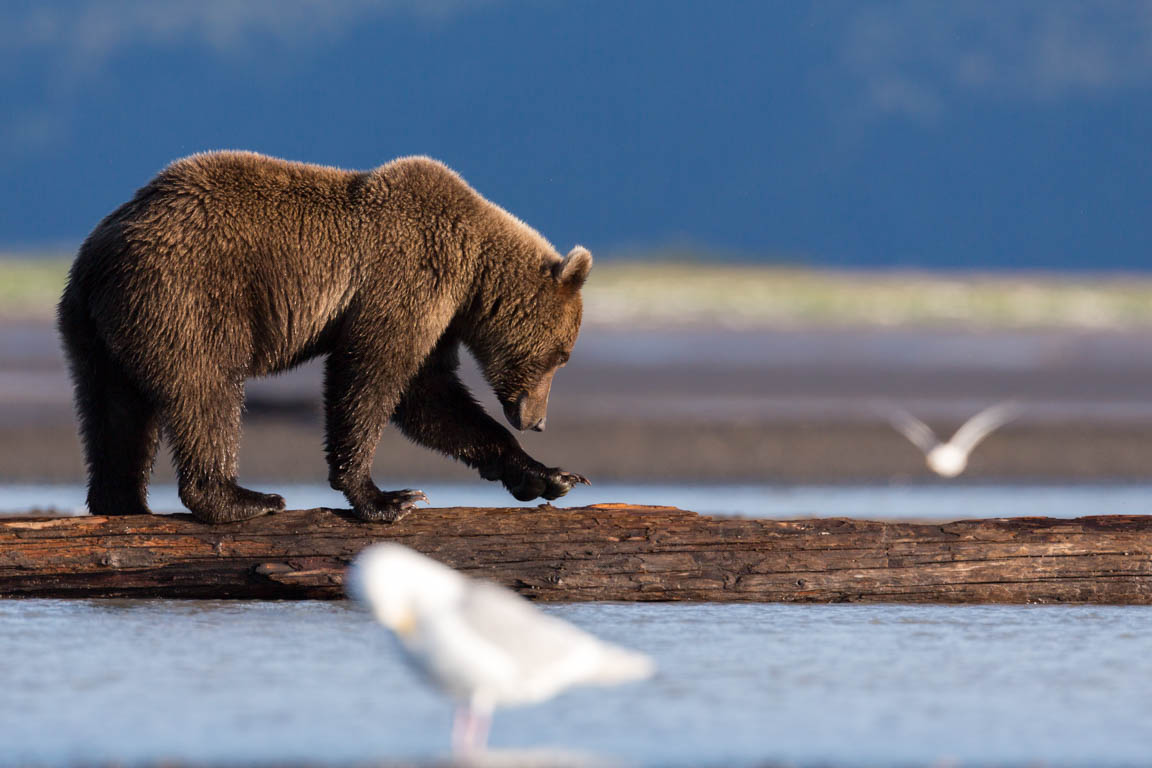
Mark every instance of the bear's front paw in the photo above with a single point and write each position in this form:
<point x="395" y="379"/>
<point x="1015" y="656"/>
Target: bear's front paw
<point x="389" y="506"/>
<point x="528" y="482"/>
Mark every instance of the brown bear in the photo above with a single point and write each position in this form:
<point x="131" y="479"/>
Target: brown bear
<point x="230" y="265"/>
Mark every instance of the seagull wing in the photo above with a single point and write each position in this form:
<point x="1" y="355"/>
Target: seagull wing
<point x="547" y="654"/>
<point x="983" y="424"/>
<point x="477" y="640"/>
<point x="919" y="433"/>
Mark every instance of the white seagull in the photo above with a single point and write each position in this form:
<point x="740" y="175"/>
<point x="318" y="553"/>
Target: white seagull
<point x="483" y="645"/>
<point x="951" y="458"/>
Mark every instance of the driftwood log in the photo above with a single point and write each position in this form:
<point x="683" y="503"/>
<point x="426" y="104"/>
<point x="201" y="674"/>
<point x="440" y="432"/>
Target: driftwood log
<point x="603" y="552"/>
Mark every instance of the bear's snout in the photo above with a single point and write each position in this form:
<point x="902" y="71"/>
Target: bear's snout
<point x="524" y="414"/>
<point x="530" y="410"/>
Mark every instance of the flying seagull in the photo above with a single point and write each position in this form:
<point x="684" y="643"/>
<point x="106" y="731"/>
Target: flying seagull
<point x="951" y="458"/>
<point x="480" y="643"/>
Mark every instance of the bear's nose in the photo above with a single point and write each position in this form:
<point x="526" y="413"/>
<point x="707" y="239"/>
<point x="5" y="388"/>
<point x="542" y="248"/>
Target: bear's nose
<point x="539" y="426"/>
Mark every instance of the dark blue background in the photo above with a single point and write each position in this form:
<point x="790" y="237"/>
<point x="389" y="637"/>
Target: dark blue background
<point x="761" y="130"/>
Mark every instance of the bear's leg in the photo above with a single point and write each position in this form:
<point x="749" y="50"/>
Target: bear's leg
<point x="118" y="423"/>
<point x="121" y="430"/>
<point x="439" y="412"/>
<point x="357" y="407"/>
<point x="203" y="427"/>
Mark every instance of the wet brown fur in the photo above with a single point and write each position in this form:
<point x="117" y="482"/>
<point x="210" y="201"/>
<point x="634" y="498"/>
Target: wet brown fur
<point x="232" y="265"/>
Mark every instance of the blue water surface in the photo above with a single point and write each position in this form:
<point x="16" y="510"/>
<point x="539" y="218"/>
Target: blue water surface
<point x="213" y="683"/>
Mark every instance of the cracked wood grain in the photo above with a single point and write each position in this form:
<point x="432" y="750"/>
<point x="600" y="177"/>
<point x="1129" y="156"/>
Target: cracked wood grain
<point x="604" y="552"/>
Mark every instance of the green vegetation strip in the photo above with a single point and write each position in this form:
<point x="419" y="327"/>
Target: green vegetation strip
<point x="31" y="287"/>
<point x="752" y="296"/>
<point x="669" y="293"/>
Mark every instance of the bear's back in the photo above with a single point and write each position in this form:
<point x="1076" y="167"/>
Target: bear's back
<point x="237" y="177"/>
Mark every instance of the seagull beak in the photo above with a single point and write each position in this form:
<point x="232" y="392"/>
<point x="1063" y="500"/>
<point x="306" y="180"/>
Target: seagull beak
<point x="405" y="625"/>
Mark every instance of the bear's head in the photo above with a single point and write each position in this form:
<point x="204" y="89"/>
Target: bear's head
<point x="530" y="326"/>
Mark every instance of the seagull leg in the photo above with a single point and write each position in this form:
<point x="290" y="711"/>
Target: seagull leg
<point x="482" y="724"/>
<point x="470" y="727"/>
<point x="462" y="730"/>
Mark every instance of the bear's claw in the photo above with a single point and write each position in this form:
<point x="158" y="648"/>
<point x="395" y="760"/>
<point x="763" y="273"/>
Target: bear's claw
<point x="527" y="483"/>
<point x="560" y="482"/>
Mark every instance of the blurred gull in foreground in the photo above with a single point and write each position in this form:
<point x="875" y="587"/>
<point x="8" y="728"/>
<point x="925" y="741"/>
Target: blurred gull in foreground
<point x="478" y="642"/>
<point x="951" y="458"/>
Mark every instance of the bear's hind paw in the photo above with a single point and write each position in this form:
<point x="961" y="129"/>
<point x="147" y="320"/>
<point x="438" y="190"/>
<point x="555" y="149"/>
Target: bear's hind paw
<point x="231" y="504"/>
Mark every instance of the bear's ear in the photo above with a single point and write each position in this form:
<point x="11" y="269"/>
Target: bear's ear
<point x="572" y="271"/>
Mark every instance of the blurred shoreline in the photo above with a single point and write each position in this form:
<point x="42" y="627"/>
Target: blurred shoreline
<point x="703" y="404"/>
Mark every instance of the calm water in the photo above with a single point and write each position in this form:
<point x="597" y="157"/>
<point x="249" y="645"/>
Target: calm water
<point x="227" y="683"/>
<point x="212" y="682"/>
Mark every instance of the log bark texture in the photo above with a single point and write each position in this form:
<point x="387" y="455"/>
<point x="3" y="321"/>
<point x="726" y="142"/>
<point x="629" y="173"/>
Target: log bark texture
<point x="603" y="552"/>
